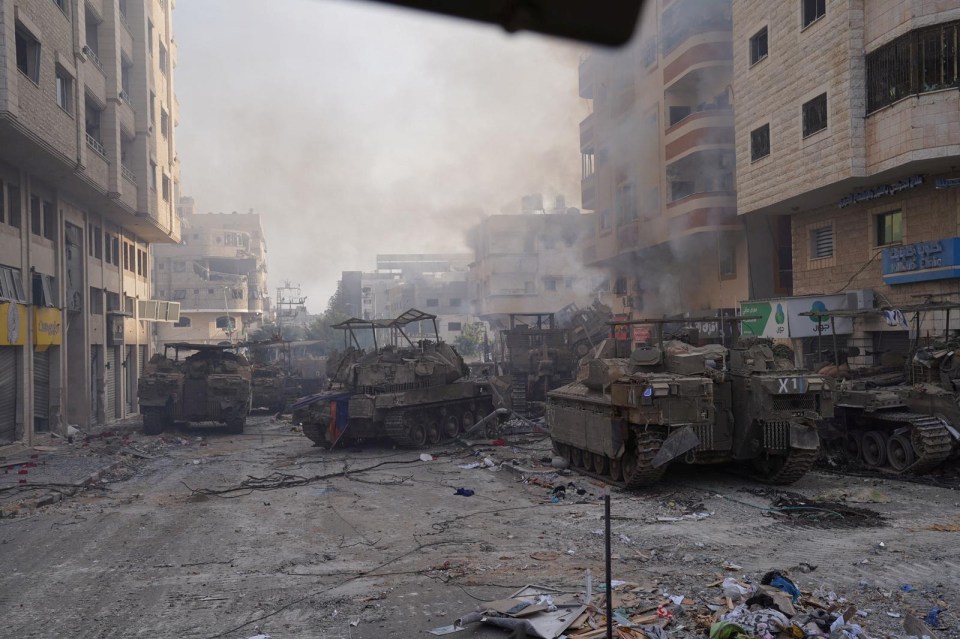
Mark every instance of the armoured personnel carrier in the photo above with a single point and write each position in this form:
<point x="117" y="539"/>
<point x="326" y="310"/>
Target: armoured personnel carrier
<point x="536" y="358"/>
<point x="414" y="393"/>
<point x="212" y="384"/>
<point x="626" y="419"/>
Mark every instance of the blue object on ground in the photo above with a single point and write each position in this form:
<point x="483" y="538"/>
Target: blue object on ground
<point x="933" y="617"/>
<point x="907" y="588"/>
<point x="787" y="586"/>
<point x="465" y="492"/>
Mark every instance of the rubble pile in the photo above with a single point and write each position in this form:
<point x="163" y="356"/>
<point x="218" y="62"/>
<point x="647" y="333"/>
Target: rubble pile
<point x="728" y="608"/>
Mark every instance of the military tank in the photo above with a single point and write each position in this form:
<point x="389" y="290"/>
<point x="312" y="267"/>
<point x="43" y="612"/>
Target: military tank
<point x="895" y="418"/>
<point x="626" y="419"/>
<point x="413" y="393"/>
<point x="535" y="358"/>
<point x="212" y="384"/>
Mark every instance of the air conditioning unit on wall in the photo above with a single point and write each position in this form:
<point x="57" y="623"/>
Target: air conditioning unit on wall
<point x="860" y="299"/>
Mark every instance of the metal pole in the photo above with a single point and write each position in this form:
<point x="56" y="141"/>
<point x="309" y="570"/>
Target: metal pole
<point x="836" y="355"/>
<point x="606" y="510"/>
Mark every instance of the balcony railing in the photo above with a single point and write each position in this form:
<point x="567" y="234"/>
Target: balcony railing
<point x="96" y="145"/>
<point x="125" y="97"/>
<point x="128" y="173"/>
<point x="90" y="53"/>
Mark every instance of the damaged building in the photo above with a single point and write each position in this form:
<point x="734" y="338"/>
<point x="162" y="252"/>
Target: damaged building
<point x="848" y="147"/>
<point x="529" y="262"/>
<point x="217" y="274"/>
<point x="88" y="177"/>
<point x="658" y="159"/>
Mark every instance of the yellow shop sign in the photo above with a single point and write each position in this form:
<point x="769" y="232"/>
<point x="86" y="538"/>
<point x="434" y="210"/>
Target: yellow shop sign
<point x="47" y="327"/>
<point x="13" y="324"/>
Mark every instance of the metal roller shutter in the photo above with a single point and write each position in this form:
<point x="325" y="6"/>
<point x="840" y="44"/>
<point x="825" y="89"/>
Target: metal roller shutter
<point x="41" y="391"/>
<point x="110" y="410"/>
<point x="8" y="394"/>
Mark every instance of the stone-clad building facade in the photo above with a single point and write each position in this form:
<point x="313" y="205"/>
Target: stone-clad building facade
<point x="88" y="177"/>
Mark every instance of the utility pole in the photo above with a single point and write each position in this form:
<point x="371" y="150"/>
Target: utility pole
<point x="289" y="298"/>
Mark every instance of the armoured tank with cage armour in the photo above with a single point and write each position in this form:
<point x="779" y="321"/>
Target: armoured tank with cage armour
<point x="626" y="419"/>
<point x="414" y="390"/>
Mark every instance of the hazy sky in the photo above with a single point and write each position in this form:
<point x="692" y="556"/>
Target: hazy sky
<point x="355" y="128"/>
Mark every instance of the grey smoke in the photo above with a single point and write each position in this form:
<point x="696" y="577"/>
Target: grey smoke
<point x="357" y="129"/>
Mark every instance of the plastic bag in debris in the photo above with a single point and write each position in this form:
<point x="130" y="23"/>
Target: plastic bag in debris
<point x="933" y="617"/>
<point x="731" y="584"/>
<point x="464" y="492"/>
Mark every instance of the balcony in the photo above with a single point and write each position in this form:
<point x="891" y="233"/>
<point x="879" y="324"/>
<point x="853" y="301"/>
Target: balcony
<point x="94" y="58"/>
<point x="698" y="212"/>
<point x="587" y="134"/>
<point x="683" y="19"/>
<point x="700" y="131"/>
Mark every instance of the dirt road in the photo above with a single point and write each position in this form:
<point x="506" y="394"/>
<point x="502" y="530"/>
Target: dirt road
<point x="388" y="550"/>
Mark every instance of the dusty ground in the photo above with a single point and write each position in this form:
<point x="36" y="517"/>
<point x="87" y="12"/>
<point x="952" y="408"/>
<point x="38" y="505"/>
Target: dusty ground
<point x="392" y="552"/>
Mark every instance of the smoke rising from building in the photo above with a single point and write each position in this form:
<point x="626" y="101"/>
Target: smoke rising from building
<point x="357" y="129"/>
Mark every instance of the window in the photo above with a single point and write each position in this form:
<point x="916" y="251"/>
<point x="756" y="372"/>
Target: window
<point x="150" y="37"/>
<point x="180" y="294"/>
<point x="115" y="242"/>
<point x="92" y="114"/>
<point x="28" y="53"/>
<point x="678" y="113"/>
<point x="162" y="59"/>
<point x="62" y="4"/>
<point x="453" y="326"/>
<point x="97" y="243"/>
<point x="626" y="203"/>
<point x="455" y="302"/>
<point x="153" y="176"/>
<point x="36" y="216"/>
<point x="183" y="322"/>
<point x="43" y="290"/>
<point x="13" y="206"/>
<point x="125" y="71"/>
<point x="179" y="267"/>
<point x="550" y="284"/>
<point x="758" y="46"/>
<point x="108" y="248"/>
<point x="433" y="303"/>
<point x="760" y="142"/>
<point x="113" y="302"/>
<point x="226" y="323"/>
<point x="49" y="220"/>
<point x="11" y="284"/>
<point x="64" y="90"/>
<point x="728" y="261"/>
<point x="164" y="123"/>
<point x="126" y="256"/>
<point x="813" y="10"/>
<point x="166" y="187"/>
<point x="96" y="301"/>
<point x="889" y="228"/>
<point x="821" y="243"/>
<point x="923" y="60"/>
<point x="681" y="189"/>
<point x="620" y="286"/>
<point x="815" y="115"/>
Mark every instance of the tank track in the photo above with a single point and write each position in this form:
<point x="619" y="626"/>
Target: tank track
<point x="646" y="444"/>
<point x="930" y="438"/>
<point x="798" y="463"/>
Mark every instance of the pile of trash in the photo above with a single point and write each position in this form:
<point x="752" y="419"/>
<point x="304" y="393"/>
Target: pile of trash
<point x="729" y="608"/>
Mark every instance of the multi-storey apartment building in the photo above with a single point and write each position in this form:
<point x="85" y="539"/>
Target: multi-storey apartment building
<point x="848" y="138"/>
<point x="88" y="176"/>
<point x="529" y="263"/>
<point x="217" y="274"/>
<point x="659" y="163"/>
